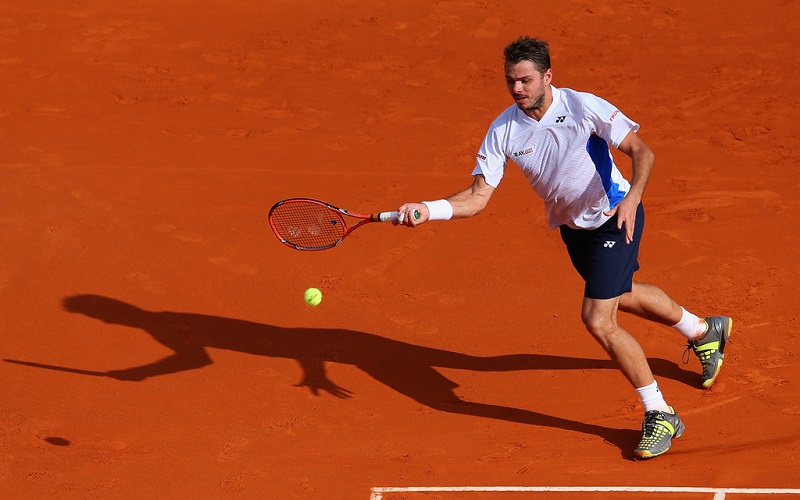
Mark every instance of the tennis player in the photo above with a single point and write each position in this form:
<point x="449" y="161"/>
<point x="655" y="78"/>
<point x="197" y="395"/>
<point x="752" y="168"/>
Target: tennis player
<point x="560" y="140"/>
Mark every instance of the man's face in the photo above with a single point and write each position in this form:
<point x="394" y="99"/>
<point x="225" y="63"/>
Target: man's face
<point x="527" y="85"/>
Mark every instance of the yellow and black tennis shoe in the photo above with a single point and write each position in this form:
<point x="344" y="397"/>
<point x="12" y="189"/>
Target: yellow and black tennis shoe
<point x="710" y="347"/>
<point x="658" y="430"/>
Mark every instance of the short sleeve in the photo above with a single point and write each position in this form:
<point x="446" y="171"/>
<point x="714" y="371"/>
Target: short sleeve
<point x="491" y="159"/>
<point x="609" y="122"/>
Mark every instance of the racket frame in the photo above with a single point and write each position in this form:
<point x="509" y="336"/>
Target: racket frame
<point x="339" y="212"/>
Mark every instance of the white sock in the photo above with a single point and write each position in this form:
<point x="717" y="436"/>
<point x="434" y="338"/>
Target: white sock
<point x="651" y="397"/>
<point x="690" y="326"/>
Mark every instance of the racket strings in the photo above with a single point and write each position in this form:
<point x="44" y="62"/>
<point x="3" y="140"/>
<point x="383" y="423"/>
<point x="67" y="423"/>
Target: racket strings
<point x="308" y="225"/>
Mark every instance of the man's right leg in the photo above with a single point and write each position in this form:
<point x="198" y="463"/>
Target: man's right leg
<point x="661" y="423"/>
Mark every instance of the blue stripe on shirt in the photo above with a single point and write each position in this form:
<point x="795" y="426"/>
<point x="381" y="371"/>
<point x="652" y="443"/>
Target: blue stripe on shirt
<point x="600" y="154"/>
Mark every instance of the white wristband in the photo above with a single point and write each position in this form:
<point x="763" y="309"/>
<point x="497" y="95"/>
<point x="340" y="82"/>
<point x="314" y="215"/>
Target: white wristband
<point x="439" y="209"/>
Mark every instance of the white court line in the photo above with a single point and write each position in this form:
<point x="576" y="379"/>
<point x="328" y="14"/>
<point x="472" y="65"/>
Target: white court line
<point x="719" y="493"/>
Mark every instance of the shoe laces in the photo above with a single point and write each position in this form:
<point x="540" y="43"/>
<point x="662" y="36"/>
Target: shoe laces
<point x="704" y="355"/>
<point x="689" y="347"/>
<point x="650" y="421"/>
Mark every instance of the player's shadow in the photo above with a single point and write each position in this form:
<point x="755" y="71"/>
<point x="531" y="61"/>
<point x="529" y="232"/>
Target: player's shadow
<point x="407" y="368"/>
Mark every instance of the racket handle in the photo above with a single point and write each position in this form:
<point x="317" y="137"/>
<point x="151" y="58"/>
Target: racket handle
<point x="387" y="217"/>
<point x="393" y="216"/>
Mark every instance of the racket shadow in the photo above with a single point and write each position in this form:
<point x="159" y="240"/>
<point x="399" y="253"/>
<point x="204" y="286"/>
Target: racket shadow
<point x="406" y="368"/>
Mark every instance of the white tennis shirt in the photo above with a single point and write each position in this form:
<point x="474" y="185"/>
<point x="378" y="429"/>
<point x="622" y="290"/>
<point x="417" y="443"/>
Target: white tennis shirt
<point x="565" y="156"/>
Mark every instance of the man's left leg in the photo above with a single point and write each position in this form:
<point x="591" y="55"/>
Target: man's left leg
<point x="707" y="336"/>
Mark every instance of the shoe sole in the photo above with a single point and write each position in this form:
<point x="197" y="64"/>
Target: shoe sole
<point x="724" y="340"/>
<point x="647" y="455"/>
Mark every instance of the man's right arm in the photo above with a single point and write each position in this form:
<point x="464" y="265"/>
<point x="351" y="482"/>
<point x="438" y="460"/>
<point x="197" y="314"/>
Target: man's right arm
<point x="466" y="203"/>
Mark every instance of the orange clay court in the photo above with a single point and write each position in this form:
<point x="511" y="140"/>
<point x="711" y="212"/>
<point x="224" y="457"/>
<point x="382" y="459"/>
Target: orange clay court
<point x="154" y="339"/>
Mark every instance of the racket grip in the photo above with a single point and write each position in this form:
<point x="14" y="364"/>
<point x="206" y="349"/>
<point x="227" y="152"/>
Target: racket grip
<point x="395" y="216"/>
<point x="387" y="217"/>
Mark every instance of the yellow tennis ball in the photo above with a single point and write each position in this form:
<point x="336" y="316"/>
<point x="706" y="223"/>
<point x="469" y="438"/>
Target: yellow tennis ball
<point x="313" y="296"/>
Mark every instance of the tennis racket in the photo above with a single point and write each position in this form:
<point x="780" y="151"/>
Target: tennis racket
<point x="308" y="224"/>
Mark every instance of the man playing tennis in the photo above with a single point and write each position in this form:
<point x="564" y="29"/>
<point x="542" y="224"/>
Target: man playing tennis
<point x="560" y="140"/>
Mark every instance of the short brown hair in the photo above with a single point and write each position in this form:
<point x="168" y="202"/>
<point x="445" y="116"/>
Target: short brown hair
<point x="528" y="49"/>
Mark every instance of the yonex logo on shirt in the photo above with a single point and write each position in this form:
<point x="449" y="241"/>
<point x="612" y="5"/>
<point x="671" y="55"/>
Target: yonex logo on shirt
<point x="560" y="119"/>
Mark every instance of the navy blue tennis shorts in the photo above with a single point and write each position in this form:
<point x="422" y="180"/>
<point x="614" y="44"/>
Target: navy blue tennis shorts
<point x="603" y="259"/>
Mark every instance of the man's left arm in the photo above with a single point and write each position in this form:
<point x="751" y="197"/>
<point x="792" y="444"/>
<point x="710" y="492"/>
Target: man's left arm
<point x="642" y="159"/>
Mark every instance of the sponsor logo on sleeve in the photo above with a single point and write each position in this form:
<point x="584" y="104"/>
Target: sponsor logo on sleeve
<point x="517" y="154"/>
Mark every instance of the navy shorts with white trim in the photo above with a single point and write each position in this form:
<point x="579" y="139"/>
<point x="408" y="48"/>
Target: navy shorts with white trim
<point x="602" y="258"/>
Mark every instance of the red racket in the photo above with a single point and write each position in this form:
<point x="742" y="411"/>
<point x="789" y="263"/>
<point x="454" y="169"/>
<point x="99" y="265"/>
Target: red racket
<point x="308" y="224"/>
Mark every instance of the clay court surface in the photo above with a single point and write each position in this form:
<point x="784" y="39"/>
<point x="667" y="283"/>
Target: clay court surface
<point x="154" y="342"/>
